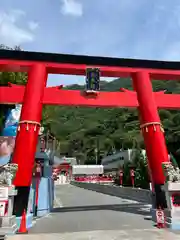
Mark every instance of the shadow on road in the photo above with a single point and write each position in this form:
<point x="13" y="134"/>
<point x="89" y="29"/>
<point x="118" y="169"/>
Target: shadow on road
<point x="94" y="218"/>
<point x="128" y="208"/>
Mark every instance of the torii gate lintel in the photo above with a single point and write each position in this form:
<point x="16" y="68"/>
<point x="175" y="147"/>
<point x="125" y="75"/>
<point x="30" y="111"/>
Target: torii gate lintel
<point x="14" y="94"/>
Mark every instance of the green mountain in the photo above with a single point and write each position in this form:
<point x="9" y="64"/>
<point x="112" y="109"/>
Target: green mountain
<point x="112" y="86"/>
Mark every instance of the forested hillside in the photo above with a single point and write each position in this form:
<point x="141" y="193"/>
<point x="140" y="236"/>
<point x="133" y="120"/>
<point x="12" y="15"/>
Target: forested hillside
<point x="83" y="130"/>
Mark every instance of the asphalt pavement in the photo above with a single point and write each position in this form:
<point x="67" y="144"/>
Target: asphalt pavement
<point x="81" y="214"/>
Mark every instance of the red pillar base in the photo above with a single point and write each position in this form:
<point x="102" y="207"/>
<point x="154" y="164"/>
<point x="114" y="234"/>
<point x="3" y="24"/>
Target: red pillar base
<point x="21" y="200"/>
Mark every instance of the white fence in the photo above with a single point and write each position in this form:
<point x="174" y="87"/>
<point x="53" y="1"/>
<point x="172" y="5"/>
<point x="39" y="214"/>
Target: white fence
<point x="87" y="169"/>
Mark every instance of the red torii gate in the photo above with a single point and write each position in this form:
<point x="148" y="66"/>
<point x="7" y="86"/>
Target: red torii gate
<point x="35" y="94"/>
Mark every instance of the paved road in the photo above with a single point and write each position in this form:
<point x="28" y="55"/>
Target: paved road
<point x="81" y="214"/>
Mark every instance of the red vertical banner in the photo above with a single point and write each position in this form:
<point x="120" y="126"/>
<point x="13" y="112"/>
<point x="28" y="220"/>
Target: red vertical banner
<point x="38" y="174"/>
<point x="42" y="146"/>
<point x="121" y="177"/>
<point x="132" y="174"/>
<point x="160" y="218"/>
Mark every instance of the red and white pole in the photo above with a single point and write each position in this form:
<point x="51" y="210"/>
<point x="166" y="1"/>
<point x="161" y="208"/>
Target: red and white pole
<point x="121" y="177"/>
<point x="38" y="179"/>
<point x="132" y="174"/>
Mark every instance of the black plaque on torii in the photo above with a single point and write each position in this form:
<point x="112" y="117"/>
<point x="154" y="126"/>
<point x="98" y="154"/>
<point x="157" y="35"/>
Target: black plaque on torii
<point x="92" y="79"/>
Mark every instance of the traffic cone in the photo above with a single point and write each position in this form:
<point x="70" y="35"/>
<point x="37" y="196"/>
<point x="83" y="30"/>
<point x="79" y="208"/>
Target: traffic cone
<point x="23" y="229"/>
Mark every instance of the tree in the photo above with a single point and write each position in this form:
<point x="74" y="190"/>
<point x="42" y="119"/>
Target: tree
<point x="141" y="170"/>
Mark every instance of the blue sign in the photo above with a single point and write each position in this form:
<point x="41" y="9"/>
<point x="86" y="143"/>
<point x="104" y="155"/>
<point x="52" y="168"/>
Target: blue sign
<point x="12" y="120"/>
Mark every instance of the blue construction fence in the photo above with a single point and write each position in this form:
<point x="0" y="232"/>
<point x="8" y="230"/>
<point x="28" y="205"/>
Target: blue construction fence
<point x="45" y="198"/>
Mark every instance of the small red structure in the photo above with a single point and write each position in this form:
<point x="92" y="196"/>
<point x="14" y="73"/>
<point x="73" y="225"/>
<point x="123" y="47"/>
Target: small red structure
<point x="121" y="177"/>
<point x="65" y="165"/>
<point x="160" y="218"/>
<point x="132" y="174"/>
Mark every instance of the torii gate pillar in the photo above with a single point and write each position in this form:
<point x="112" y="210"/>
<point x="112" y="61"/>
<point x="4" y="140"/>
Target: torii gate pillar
<point x="27" y="134"/>
<point x="153" y="133"/>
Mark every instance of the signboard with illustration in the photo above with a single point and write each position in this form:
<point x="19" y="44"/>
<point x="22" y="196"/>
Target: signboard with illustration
<point x="6" y="149"/>
<point x="7" y="141"/>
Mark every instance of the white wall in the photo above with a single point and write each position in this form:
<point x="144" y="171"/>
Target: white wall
<point x="87" y="169"/>
<point x="116" y="160"/>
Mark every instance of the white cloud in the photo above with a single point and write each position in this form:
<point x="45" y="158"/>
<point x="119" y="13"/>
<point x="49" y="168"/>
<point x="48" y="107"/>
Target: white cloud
<point x="11" y="33"/>
<point x="72" y="7"/>
<point x="33" y="25"/>
<point x="150" y="30"/>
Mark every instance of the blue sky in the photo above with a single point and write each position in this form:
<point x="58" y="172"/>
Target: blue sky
<point x="148" y="29"/>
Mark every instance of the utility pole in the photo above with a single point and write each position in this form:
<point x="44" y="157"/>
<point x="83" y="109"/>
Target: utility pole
<point x="96" y="153"/>
<point x="97" y="150"/>
<point x="59" y="148"/>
